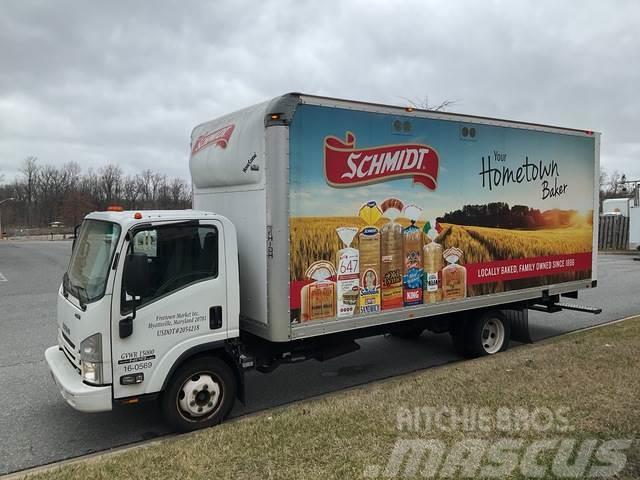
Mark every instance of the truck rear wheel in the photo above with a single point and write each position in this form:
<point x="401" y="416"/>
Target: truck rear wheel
<point x="487" y="334"/>
<point x="201" y="394"/>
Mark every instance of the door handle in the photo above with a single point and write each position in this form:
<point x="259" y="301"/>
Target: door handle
<point x="215" y="317"/>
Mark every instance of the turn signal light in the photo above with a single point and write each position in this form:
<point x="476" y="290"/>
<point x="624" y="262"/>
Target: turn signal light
<point x="275" y="116"/>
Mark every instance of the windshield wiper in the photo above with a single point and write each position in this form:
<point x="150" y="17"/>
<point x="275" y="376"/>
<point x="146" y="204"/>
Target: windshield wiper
<point x="76" y="290"/>
<point x="79" y="289"/>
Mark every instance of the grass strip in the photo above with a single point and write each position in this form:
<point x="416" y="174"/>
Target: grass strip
<point x="592" y="376"/>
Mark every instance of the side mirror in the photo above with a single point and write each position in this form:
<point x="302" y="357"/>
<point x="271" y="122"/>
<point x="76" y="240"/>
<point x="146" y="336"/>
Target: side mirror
<point x="136" y="274"/>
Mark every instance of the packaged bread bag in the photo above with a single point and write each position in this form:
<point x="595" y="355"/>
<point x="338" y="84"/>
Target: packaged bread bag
<point x="454" y="276"/>
<point x="369" y="248"/>
<point x="348" y="278"/>
<point x="318" y="299"/>
<point x="433" y="263"/>
<point x="412" y="258"/>
<point x="391" y="254"/>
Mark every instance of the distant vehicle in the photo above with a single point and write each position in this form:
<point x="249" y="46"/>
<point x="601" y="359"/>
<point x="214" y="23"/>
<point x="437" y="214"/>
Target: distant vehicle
<point x="334" y="220"/>
<point x="617" y="206"/>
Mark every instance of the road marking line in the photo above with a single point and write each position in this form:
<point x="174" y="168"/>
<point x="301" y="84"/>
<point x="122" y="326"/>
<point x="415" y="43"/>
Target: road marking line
<point x="3" y="278"/>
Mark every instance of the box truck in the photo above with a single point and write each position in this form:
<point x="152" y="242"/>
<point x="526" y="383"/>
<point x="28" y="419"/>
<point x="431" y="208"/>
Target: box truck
<point x="316" y="222"/>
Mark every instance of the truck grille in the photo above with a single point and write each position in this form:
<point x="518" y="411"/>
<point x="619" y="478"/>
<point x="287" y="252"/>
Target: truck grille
<point x="68" y="340"/>
<point x="68" y="348"/>
<point x="75" y="367"/>
<point x="69" y="354"/>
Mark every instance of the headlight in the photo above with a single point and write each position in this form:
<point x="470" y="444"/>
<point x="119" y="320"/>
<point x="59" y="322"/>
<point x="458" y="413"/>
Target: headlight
<point x="91" y="359"/>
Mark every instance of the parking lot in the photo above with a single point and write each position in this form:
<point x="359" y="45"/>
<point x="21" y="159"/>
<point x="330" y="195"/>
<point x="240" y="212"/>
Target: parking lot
<point x="37" y="426"/>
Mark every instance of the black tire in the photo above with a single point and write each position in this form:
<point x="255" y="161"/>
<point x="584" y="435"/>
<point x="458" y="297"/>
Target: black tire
<point x="458" y="333"/>
<point x="208" y="371"/>
<point x="487" y="334"/>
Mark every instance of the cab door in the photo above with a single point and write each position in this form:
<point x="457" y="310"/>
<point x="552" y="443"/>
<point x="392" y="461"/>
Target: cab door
<point x="183" y="305"/>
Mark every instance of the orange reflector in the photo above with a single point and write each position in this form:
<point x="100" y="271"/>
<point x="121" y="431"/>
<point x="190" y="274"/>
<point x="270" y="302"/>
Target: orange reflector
<point x="115" y="208"/>
<point x="137" y="215"/>
<point x="275" y="116"/>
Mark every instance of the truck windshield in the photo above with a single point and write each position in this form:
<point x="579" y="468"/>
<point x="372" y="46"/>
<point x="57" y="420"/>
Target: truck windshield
<point x="86" y="278"/>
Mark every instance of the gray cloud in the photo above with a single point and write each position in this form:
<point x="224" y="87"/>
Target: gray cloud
<point x="126" y="81"/>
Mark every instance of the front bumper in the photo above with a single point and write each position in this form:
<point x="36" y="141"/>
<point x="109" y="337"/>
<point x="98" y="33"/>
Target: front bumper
<point x="79" y="395"/>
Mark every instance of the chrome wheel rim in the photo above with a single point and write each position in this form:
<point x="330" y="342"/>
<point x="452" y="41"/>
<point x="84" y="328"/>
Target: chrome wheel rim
<point x="199" y="396"/>
<point x="492" y="335"/>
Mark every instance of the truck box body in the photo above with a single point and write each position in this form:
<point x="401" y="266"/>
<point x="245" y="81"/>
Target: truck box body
<point x="351" y="214"/>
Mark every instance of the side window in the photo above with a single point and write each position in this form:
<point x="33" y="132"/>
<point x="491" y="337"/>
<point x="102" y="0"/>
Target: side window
<point x="178" y="255"/>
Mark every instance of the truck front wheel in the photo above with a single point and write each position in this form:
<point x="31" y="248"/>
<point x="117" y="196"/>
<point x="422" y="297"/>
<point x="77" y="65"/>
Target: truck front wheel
<point x="200" y="394"/>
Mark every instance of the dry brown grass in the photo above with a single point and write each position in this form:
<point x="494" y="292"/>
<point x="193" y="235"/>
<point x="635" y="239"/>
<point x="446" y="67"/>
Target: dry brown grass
<point x="593" y="374"/>
<point x="504" y="244"/>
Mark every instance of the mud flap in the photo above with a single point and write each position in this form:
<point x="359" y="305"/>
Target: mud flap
<point x="519" y="320"/>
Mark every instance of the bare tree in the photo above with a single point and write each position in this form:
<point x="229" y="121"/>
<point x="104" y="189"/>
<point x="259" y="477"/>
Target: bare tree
<point x="144" y="180"/>
<point x="157" y="181"/>
<point x="614" y="186"/>
<point x="30" y="171"/>
<point x="425" y="105"/>
<point x="130" y="191"/>
<point x="110" y="181"/>
<point x="71" y="172"/>
<point x="50" y="193"/>
<point x="177" y="192"/>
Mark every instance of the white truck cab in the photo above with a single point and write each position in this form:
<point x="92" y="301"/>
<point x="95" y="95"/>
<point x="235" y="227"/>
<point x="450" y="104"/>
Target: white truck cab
<point x="144" y="289"/>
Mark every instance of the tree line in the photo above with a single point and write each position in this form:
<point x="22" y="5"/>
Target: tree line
<point x="501" y="215"/>
<point x="44" y="194"/>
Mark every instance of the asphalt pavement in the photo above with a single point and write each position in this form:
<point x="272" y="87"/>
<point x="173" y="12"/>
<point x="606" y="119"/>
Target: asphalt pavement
<point x="38" y="427"/>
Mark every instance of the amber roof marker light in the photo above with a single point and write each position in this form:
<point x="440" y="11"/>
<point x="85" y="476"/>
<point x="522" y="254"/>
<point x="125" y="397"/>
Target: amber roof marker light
<point x="137" y="215"/>
<point x="115" y="208"/>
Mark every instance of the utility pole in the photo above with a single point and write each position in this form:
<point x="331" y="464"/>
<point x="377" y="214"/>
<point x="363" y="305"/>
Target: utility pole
<point x="1" y="202"/>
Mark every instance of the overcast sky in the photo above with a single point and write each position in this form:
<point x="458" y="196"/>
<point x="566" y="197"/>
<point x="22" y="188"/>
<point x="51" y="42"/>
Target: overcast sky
<point x="125" y="82"/>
